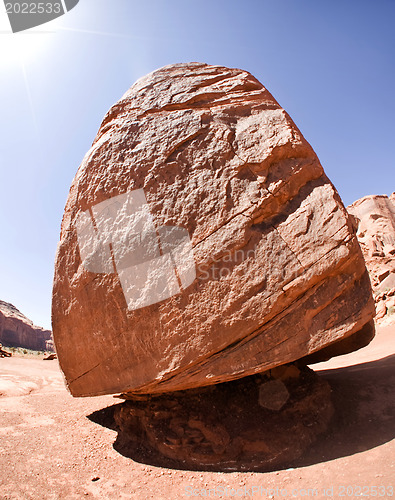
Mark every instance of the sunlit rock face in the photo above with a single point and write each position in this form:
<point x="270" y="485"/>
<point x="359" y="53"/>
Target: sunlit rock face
<point x="202" y="242"/>
<point x="375" y="219"/>
<point x="16" y="330"/>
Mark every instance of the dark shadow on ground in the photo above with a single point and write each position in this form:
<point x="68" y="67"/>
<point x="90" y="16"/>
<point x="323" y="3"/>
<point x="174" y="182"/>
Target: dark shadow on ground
<point x="364" y="400"/>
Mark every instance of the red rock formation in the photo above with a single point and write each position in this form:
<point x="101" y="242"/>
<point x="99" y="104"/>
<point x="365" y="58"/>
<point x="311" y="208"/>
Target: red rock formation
<point x="16" y="330"/>
<point x="375" y="218"/>
<point x="202" y="242"/>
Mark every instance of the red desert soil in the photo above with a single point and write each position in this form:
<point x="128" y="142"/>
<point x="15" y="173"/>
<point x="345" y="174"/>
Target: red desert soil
<point x="54" y="446"/>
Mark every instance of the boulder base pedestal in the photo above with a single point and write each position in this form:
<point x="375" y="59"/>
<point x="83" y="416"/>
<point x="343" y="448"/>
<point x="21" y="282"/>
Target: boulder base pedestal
<point x="260" y="422"/>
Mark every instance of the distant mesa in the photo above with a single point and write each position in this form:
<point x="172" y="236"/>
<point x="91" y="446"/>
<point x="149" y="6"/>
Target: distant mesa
<point x="16" y="330"/>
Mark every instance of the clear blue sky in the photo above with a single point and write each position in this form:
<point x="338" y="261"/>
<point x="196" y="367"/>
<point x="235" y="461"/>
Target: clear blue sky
<point x="330" y="64"/>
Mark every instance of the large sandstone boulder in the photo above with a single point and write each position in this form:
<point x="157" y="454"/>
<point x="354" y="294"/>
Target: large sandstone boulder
<point x="375" y="219"/>
<point x="16" y="330"/>
<point x="202" y="242"/>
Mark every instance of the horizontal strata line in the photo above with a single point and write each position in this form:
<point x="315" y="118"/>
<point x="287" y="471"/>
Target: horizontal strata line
<point x="202" y="104"/>
<point x="211" y="80"/>
<point x="188" y="106"/>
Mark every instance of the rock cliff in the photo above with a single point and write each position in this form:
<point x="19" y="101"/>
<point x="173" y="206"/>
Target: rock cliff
<point x="16" y="330"/>
<point x="375" y="220"/>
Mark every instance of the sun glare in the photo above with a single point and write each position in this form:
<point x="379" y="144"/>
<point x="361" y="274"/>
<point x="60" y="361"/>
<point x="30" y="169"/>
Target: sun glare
<point x="23" y="47"/>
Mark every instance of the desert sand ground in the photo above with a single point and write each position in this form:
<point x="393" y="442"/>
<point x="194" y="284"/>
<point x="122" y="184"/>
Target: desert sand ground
<point x="53" y="446"/>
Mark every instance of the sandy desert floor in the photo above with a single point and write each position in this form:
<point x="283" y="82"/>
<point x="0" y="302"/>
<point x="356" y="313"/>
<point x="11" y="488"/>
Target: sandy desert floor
<point x="53" y="446"/>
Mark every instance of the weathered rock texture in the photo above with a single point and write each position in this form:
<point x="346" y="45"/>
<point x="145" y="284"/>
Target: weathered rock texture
<point x="375" y="219"/>
<point x="18" y="331"/>
<point x="279" y="272"/>
<point x="260" y="422"/>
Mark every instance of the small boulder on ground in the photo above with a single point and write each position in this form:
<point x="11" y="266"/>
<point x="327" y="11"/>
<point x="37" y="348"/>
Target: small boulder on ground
<point x="3" y="353"/>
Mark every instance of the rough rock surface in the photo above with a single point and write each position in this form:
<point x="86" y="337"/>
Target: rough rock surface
<point x="16" y="330"/>
<point x="263" y="421"/>
<point x="279" y="274"/>
<point x="375" y="219"/>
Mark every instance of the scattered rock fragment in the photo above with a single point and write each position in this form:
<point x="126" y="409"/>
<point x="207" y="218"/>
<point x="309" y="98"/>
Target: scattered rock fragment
<point x="3" y="353"/>
<point x="50" y="357"/>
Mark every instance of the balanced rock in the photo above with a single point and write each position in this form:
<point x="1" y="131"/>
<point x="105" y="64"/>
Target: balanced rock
<point x="202" y="242"/>
<point x="375" y="220"/>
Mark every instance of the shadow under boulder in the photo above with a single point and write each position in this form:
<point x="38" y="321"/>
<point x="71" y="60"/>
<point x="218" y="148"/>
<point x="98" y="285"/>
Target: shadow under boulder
<point x="259" y="422"/>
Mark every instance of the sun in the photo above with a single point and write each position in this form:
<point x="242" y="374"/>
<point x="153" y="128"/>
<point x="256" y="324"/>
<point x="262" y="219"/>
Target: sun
<point x="20" y="48"/>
